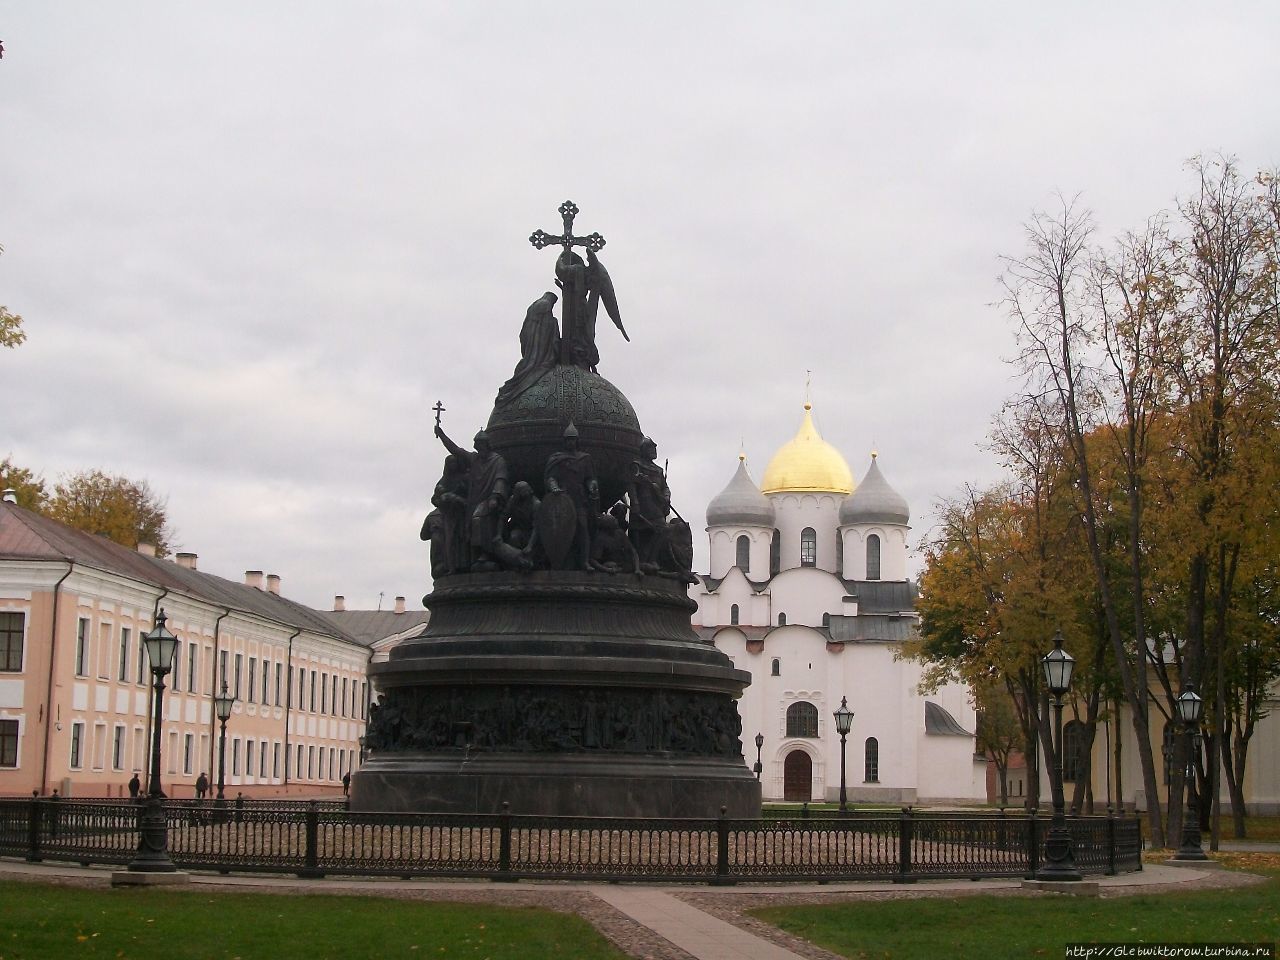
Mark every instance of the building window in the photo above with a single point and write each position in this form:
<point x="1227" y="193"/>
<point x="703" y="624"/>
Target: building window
<point x="266" y="673"/>
<point x="126" y="640"/>
<point x="77" y="743"/>
<point x="802" y="719"/>
<point x="871" y="760"/>
<point x="839" y="554"/>
<point x="344" y="696"/>
<point x="324" y="693"/>
<point x="873" y="557"/>
<point x="826" y="620"/>
<point x="117" y="749"/>
<point x="222" y="670"/>
<point x="141" y="675"/>
<point x="311" y="763"/>
<point x="279" y="672"/>
<point x="1073" y="750"/>
<point x="253" y="678"/>
<point x="743" y="558"/>
<point x="364" y="701"/>
<point x="193" y="675"/>
<point x="297" y="768"/>
<point x="8" y="743"/>
<point x="188" y="751"/>
<point x="262" y="760"/>
<point x="808" y="547"/>
<point x="733" y="614"/>
<point x="782" y="619"/>
<point x="235" y="757"/>
<point x="82" y="648"/>
<point x="11" y="630"/>
<point x="177" y="666"/>
<point x="313" y="691"/>
<point x="775" y="669"/>
<point x="332" y="773"/>
<point x="275" y="760"/>
<point x="333" y="693"/>
<point x="235" y="685"/>
<point x="775" y="554"/>
<point x="248" y="758"/>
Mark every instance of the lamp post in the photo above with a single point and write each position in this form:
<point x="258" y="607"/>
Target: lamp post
<point x="222" y="705"/>
<point x="1059" y="859"/>
<point x="759" y="767"/>
<point x="1190" y="709"/>
<point x="844" y="721"/>
<point x="153" y="838"/>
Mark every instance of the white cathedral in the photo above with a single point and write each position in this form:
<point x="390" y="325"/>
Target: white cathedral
<point x="808" y="591"/>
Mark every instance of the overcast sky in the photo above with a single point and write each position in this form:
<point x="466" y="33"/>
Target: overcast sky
<point x="254" y="242"/>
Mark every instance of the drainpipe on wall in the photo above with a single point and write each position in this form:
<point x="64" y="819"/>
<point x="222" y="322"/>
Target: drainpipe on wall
<point x="213" y="717"/>
<point x="48" y="700"/>
<point x="151" y="690"/>
<point x="288" y="706"/>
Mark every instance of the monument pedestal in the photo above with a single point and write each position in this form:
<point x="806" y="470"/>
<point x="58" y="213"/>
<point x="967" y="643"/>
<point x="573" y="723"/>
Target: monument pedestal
<point x="558" y="693"/>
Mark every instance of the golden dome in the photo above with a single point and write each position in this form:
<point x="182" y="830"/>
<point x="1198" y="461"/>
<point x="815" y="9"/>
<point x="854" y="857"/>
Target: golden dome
<point x="807" y="463"/>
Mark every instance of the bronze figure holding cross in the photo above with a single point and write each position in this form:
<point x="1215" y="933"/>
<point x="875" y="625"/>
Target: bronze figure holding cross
<point x="584" y="285"/>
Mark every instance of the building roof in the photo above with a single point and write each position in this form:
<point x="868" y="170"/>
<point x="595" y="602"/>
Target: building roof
<point x="883" y="596"/>
<point x="367" y="627"/>
<point x="25" y="535"/>
<point x="740" y="503"/>
<point x="807" y="463"/>
<point x="939" y="723"/>
<point x="875" y="501"/>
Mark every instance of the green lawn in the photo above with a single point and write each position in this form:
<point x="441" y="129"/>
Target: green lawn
<point x="996" y="928"/>
<point x="42" y="921"/>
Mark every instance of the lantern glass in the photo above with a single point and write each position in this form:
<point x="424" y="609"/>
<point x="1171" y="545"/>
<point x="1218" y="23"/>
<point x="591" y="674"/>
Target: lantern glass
<point x="759" y="740"/>
<point x="1190" y="706"/>
<point x="1058" y="666"/>
<point x="844" y="717"/>
<point x="222" y="704"/>
<point x="161" y="646"/>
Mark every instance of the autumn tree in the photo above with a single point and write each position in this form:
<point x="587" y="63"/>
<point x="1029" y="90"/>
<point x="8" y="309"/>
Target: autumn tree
<point x="28" y="487"/>
<point x="126" y="511"/>
<point x="11" y="333"/>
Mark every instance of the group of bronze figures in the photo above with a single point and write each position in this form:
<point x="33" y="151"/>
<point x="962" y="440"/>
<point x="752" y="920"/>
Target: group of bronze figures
<point x="557" y="719"/>
<point x="483" y="522"/>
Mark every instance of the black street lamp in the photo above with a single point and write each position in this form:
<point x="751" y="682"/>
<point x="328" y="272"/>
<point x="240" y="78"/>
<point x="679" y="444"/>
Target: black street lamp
<point x="1059" y="859"/>
<point x="759" y="767"/>
<point x="1190" y="709"/>
<point x="222" y="705"/>
<point x="844" y="721"/>
<point x="153" y="838"/>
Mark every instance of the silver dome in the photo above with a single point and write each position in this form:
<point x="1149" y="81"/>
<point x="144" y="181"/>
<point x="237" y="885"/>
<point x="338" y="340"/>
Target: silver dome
<point x="740" y="503"/>
<point x="874" y="501"/>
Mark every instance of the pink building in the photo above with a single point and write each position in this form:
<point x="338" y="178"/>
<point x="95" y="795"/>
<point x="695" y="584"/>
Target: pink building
<point x="75" y="688"/>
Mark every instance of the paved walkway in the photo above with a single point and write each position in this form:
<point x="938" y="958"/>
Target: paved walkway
<point x="694" y="931"/>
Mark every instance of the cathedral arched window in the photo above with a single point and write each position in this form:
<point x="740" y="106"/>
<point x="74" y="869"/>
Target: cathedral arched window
<point x="826" y="620"/>
<point x="839" y="555"/>
<point x="1073" y="750"/>
<point x="775" y="554"/>
<point x="776" y="669"/>
<point x="733" y="614"/>
<point x="808" y="547"/>
<point x="802" y="720"/>
<point x="873" y="557"/>
<point x="871" y="760"/>
<point x="782" y="619"/>
<point x="744" y="553"/>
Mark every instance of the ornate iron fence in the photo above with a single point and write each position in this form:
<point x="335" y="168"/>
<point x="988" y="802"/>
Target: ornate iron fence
<point x="316" y="840"/>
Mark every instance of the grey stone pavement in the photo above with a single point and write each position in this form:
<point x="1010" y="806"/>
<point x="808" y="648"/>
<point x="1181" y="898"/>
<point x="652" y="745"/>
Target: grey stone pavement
<point x="694" y="931"/>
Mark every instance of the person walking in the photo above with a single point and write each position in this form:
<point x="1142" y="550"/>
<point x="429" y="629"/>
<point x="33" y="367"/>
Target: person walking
<point x="346" y="784"/>
<point x="202" y="786"/>
<point x="135" y="787"/>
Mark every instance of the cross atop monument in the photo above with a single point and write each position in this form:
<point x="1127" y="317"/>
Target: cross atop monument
<point x="568" y="210"/>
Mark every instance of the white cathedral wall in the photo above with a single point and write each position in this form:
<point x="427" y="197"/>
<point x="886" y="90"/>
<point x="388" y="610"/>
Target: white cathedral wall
<point x="795" y="511"/>
<point x="724" y="550"/>
<point x="893" y="550"/>
<point x="804" y="595"/>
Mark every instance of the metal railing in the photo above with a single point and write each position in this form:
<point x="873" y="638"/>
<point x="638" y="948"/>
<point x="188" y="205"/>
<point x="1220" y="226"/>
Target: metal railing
<point x="315" y="840"/>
